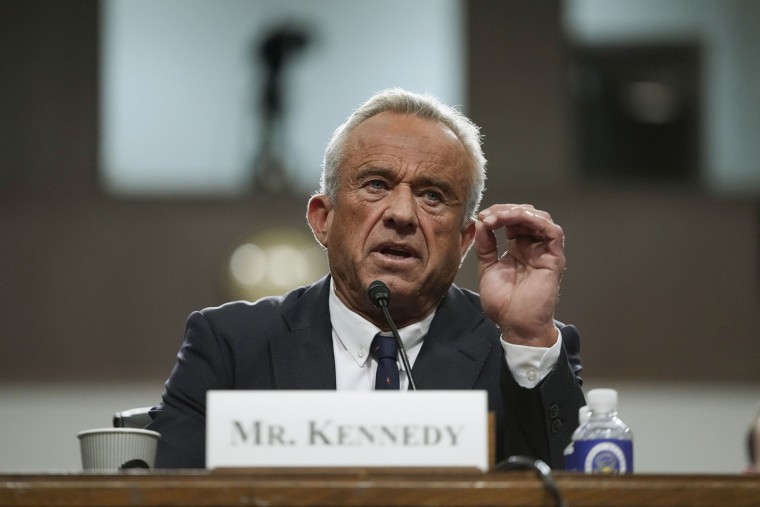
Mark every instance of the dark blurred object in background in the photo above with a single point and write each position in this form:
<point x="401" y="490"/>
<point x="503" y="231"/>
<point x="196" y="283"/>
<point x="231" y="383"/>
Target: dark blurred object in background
<point x="637" y="112"/>
<point x="275" y="51"/>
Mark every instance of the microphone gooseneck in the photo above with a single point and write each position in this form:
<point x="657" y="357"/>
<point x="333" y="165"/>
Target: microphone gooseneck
<point x="380" y="295"/>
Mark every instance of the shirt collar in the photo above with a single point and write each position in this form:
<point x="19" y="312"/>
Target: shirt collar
<point x="355" y="333"/>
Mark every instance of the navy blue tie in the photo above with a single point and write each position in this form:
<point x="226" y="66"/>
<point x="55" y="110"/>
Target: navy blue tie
<point x="384" y="350"/>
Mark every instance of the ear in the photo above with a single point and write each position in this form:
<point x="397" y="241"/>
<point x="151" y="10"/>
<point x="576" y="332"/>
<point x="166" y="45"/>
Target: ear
<point x="319" y="216"/>
<point x="468" y="235"/>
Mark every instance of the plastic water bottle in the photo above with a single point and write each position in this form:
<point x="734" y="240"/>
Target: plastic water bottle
<point x="570" y="454"/>
<point x="604" y="443"/>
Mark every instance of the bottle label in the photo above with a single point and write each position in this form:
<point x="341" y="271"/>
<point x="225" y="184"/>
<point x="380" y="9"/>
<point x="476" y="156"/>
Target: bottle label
<point x="604" y="456"/>
<point x="570" y="461"/>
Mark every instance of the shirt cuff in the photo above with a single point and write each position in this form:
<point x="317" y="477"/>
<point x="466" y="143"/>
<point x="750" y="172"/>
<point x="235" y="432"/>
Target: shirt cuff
<point x="529" y="365"/>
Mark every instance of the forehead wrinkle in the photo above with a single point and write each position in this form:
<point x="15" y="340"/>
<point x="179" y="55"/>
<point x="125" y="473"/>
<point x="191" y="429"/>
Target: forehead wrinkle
<point x="414" y="145"/>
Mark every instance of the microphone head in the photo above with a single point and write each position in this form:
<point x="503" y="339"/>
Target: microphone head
<point x="379" y="293"/>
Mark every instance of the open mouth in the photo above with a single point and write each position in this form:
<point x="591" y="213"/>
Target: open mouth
<point x="397" y="251"/>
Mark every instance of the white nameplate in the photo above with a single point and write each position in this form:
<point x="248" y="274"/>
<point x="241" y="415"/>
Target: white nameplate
<point x="347" y="429"/>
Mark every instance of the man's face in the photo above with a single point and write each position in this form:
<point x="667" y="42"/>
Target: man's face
<point x="398" y="216"/>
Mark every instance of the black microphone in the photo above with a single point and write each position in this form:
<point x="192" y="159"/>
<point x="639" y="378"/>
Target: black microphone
<point x="380" y="295"/>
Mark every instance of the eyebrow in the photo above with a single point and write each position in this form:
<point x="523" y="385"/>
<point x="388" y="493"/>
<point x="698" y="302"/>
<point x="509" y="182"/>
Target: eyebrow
<point x="373" y="171"/>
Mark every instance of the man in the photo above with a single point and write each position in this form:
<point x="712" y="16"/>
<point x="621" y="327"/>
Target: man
<point x="402" y="180"/>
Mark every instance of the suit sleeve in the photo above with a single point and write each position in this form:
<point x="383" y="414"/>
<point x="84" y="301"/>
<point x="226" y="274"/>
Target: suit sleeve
<point x="203" y="363"/>
<point x="541" y="420"/>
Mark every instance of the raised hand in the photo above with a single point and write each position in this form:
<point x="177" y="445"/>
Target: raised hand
<point x="519" y="288"/>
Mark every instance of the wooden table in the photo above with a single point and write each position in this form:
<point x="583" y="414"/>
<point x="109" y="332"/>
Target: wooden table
<point x="370" y="487"/>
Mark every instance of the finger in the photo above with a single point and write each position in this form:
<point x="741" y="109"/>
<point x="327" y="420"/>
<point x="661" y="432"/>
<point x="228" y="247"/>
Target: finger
<point x="497" y="209"/>
<point x="523" y="220"/>
<point x="486" y="246"/>
<point x="551" y="240"/>
<point x="526" y="226"/>
<point x="519" y="231"/>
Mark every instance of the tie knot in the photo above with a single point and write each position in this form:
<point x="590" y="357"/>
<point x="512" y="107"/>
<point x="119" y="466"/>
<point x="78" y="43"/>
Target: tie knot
<point x="384" y="347"/>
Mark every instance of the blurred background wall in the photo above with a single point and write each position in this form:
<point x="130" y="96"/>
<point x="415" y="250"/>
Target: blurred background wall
<point x="632" y="122"/>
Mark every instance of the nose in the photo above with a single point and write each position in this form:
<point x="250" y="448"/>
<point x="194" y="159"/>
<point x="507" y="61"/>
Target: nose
<point x="401" y="208"/>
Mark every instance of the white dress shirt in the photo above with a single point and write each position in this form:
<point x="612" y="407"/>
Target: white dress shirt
<point x="355" y="368"/>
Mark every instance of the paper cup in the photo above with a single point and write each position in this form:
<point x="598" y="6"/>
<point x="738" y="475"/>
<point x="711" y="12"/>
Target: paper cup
<point x="118" y="448"/>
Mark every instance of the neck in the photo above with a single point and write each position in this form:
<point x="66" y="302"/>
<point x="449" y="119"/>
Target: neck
<point x="402" y="317"/>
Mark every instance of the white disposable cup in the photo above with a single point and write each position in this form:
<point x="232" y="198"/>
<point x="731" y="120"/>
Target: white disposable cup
<point x="118" y="448"/>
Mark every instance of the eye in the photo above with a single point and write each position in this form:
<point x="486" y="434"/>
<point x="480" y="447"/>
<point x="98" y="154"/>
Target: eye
<point x="376" y="184"/>
<point x="433" y="195"/>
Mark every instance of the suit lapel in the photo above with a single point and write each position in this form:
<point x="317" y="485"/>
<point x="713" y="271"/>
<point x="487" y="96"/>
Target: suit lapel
<point x="452" y="355"/>
<point x="454" y="351"/>
<point x="302" y="357"/>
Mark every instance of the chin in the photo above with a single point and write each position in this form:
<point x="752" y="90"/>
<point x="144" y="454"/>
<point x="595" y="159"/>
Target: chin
<point x="410" y="288"/>
<point x="397" y="284"/>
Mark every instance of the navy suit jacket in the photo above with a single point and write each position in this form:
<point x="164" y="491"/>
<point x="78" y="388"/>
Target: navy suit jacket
<point x="286" y="343"/>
